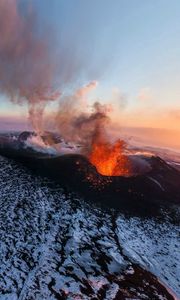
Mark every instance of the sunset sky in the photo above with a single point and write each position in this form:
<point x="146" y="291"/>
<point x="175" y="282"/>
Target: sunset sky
<point x="130" y="47"/>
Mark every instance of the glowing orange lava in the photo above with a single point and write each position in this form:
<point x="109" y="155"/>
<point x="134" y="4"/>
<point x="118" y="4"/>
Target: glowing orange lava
<point x="109" y="159"/>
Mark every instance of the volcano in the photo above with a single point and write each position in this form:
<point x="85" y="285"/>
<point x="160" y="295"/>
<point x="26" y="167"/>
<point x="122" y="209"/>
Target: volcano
<point x="153" y="184"/>
<point x="56" y="245"/>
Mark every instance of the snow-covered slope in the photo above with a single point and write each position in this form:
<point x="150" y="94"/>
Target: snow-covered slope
<point x="55" y="246"/>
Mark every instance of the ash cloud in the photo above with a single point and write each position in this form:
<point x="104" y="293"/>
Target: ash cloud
<point x="35" y="65"/>
<point x="78" y="124"/>
<point x="26" y="66"/>
<point x="34" y="69"/>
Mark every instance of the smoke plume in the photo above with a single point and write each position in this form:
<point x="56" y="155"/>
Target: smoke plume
<point x="79" y="122"/>
<point x="27" y="67"/>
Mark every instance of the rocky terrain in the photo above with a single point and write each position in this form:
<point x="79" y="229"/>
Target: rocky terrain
<point x="54" y="245"/>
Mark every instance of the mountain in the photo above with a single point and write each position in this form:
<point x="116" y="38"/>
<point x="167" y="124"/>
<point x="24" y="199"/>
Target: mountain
<point x="68" y="232"/>
<point x="154" y="183"/>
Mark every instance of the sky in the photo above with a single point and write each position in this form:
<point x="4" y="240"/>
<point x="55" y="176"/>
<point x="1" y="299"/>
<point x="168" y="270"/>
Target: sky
<point x="131" y="47"/>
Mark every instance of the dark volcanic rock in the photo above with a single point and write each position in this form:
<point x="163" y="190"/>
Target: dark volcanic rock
<point x="49" y="138"/>
<point x="25" y="135"/>
<point x="144" y="193"/>
<point x="55" y="246"/>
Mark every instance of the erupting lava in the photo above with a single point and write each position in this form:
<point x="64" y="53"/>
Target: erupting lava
<point x="109" y="159"/>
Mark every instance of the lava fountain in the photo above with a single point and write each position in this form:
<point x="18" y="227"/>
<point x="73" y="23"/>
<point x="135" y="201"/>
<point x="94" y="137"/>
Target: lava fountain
<point x="109" y="159"/>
